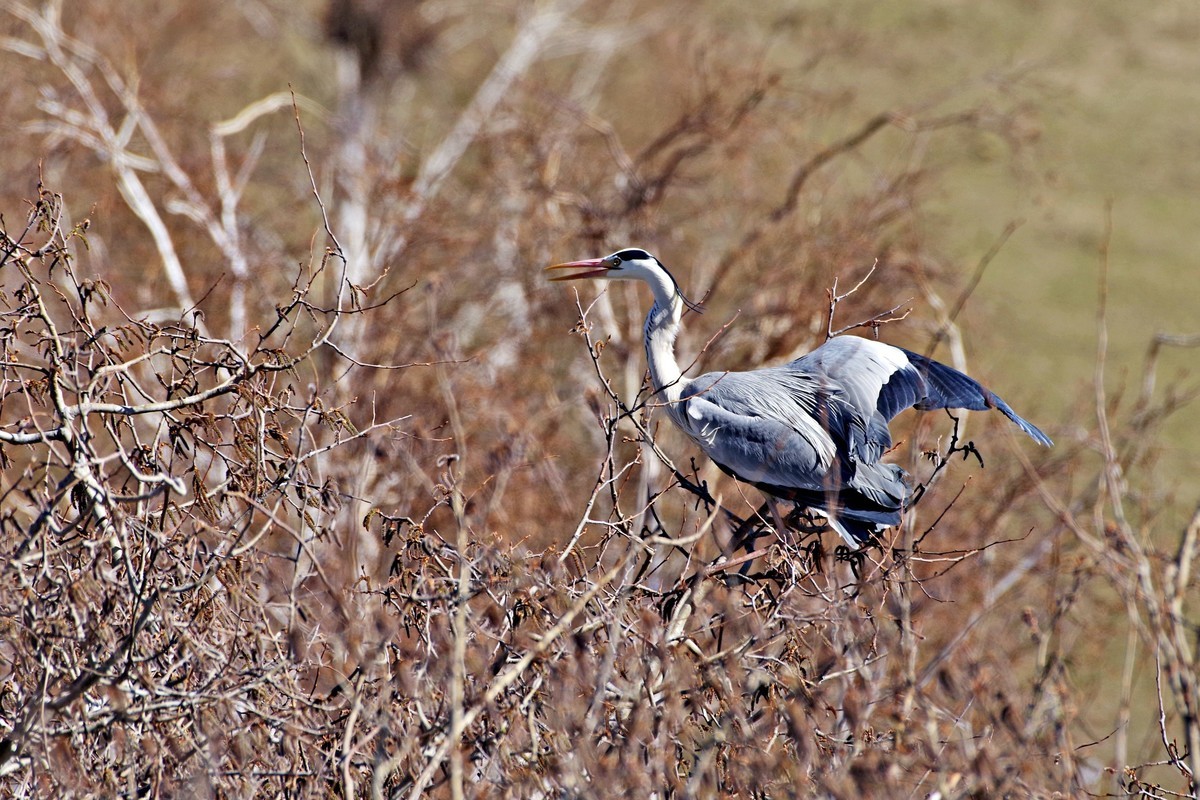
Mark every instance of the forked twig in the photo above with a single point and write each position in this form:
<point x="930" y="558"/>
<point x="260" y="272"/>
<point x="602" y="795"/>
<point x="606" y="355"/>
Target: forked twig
<point x="874" y="323"/>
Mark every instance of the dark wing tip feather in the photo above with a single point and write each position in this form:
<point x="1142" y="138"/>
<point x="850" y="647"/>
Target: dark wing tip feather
<point x="1033" y="431"/>
<point x="946" y="387"/>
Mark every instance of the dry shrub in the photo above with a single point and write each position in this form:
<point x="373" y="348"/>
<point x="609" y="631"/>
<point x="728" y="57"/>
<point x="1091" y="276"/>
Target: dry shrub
<point x="390" y="518"/>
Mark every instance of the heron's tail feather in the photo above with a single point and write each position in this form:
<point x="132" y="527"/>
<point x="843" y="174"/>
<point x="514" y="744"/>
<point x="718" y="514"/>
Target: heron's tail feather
<point x="855" y="532"/>
<point x="857" y="518"/>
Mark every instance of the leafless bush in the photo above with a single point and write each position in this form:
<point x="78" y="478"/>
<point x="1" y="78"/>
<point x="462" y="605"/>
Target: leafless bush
<point x="283" y="563"/>
<point x="164" y="514"/>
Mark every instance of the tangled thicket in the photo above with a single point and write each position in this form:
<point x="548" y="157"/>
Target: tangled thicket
<point x="350" y="505"/>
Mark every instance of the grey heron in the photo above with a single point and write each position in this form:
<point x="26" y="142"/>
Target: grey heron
<point x="811" y="432"/>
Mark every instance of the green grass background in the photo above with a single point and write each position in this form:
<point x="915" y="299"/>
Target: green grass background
<point x="1115" y="94"/>
<point x="1114" y="91"/>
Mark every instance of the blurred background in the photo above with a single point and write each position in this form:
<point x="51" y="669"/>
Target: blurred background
<point x="425" y="118"/>
<point x="995" y="161"/>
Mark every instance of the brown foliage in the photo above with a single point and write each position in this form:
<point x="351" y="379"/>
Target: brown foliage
<point x="352" y="505"/>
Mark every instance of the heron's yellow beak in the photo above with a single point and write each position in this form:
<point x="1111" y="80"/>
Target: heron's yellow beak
<point x="594" y="268"/>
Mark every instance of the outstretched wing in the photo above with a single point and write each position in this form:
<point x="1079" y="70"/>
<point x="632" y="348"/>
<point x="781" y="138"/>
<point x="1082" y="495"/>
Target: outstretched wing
<point x="948" y="388"/>
<point x="880" y="381"/>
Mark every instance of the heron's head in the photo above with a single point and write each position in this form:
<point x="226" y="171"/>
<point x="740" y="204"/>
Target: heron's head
<point x="628" y="264"/>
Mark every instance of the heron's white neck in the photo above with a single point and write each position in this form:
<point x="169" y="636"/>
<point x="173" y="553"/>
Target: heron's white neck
<point x="662" y="326"/>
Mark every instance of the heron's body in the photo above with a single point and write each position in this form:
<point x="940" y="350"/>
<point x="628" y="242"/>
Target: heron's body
<point x="812" y="431"/>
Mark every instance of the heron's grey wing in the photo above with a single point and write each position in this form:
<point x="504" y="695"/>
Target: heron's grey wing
<point x="874" y="379"/>
<point x="881" y="381"/>
<point x="772" y="426"/>
<point x="778" y="430"/>
<point x="945" y="387"/>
